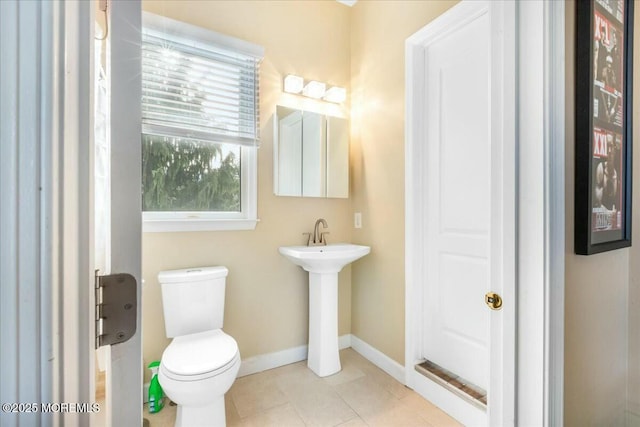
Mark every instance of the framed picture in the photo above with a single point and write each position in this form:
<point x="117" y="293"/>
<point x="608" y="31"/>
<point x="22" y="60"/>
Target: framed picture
<point x="604" y="37"/>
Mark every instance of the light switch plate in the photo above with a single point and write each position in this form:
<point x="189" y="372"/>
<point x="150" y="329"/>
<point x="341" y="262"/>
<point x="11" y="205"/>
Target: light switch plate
<point x="357" y="220"/>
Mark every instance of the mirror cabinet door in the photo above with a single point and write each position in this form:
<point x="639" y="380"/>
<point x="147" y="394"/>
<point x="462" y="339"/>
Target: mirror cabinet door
<point x="314" y="154"/>
<point x="337" y="157"/>
<point x="289" y="153"/>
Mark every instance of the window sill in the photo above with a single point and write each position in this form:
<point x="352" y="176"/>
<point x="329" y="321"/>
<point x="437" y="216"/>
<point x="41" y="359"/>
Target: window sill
<point x="191" y="224"/>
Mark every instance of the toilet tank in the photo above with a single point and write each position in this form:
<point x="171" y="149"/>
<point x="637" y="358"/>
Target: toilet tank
<point x="193" y="299"/>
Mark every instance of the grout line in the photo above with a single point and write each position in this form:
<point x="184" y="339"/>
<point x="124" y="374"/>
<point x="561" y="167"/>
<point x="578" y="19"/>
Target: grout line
<point x="233" y="403"/>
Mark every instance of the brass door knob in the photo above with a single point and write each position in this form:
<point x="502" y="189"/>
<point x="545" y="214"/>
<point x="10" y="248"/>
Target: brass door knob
<point x="493" y="300"/>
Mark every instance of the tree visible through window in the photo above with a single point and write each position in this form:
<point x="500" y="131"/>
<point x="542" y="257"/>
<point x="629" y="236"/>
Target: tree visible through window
<point x="180" y="174"/>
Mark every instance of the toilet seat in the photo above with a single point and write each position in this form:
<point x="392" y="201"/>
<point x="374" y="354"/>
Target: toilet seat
<point x="198" y="356"/>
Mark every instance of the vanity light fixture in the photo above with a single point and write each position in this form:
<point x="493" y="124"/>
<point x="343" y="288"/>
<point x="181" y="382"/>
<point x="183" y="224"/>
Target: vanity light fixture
<point x="293" y="84"/>
<point x="336" y="94"/>
<point x="314" y="89"/>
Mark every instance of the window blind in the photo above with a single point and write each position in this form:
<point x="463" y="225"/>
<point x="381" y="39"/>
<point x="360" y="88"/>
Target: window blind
<point x="199" y="84"/>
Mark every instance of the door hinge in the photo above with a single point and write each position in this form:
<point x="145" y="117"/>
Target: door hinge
<point x="116" y="308"/>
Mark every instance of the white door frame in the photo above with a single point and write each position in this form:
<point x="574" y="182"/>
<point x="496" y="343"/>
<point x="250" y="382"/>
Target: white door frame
<point x="540" y="168"/>
<point x="72" y="248"/>
<point x="72" y="207"/>
<point x="501" y="17"/>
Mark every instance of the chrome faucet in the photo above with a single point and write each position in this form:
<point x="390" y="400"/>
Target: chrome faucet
<point x="318" y="237"/>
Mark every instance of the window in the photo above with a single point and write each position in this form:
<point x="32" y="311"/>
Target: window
<point x="199" y="128"/>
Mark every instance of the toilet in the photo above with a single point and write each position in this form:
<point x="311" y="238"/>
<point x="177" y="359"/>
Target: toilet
<point x="202" y="362"/>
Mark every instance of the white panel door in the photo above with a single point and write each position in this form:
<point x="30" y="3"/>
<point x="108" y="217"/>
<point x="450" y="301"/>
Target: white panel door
<point x="470" y="205"/>
<point x="117" y="179"/>
<point x="459" y="187"/>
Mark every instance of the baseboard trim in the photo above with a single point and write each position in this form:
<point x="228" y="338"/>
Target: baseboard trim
<point x="379" y="359"/>
<point x="263" y="362"/>
<point x="460" y="409"/>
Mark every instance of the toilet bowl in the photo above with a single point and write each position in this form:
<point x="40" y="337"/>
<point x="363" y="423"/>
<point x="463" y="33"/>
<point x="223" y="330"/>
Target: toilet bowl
<point x="202" y="362"/>
<point x="196" y="371"/>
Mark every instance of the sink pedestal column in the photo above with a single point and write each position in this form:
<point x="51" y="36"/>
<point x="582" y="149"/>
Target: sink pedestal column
<point x="323" y="358"/>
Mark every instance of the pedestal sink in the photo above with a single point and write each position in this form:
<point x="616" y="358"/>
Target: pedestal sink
<point x="323" y="264"/>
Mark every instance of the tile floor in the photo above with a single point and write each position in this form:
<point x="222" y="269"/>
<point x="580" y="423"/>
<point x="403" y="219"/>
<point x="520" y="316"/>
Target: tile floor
<point x="359" y="395"/>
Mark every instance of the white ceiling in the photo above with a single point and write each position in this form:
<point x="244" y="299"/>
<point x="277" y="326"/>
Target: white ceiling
<point x="347" y="2"/>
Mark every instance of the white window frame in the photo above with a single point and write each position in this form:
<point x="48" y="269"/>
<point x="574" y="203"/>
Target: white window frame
<point x="176" y="221"/>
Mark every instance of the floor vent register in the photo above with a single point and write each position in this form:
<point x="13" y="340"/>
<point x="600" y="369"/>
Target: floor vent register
<point x="452" y="382"/>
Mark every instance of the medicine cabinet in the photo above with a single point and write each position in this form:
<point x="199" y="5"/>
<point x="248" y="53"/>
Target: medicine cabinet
<point x="311" y="154"/>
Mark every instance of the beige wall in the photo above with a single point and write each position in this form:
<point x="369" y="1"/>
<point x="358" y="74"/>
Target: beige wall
<point x="379" y="30"/>
<point x="267" y="296"/>
<point x="598" y="323"/>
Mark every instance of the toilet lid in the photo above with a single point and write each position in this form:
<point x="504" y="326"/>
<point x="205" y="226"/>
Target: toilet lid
<point x="199" y="353"/>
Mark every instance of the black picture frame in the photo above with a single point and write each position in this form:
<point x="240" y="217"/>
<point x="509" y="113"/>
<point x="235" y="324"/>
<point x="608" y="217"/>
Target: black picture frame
<point x="603" y="144"/>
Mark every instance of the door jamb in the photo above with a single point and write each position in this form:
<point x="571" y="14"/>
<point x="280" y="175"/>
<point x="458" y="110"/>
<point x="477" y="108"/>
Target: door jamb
<point x="554" y="144"/>
<point x="71" y="172"/>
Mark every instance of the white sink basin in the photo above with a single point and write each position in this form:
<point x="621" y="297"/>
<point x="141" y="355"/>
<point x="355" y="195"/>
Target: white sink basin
<point x="323" y="264"/>
<point x="324" y="259"/>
